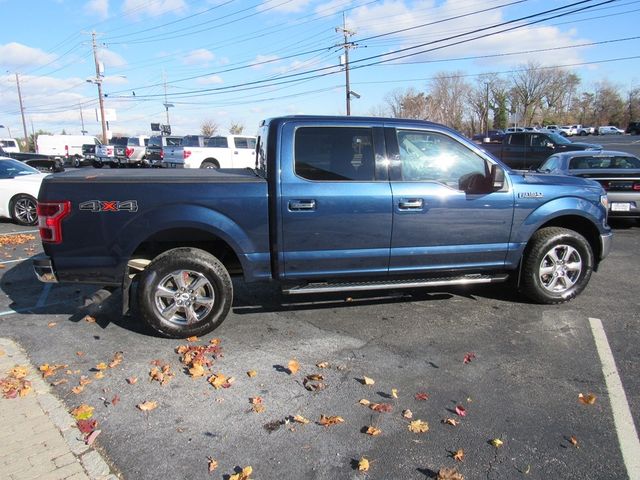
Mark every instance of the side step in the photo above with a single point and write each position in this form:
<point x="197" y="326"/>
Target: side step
<point x="327" y="287"/>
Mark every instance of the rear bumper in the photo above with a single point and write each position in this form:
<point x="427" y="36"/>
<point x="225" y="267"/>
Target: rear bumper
<point x="43" y="268"/>
<point x="606" y="241"/>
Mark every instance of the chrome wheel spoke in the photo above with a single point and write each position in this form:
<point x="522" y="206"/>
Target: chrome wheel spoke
<point x="192" y="316"/>
<point x="184" y="297"/>
<point x="546" y="271"/>
<point x="198" y="284"/>
<point x="204" y="301"/>
<point x="170" y="311"/>
<point x="164" y="292"/>
<point x="574" y="266"/>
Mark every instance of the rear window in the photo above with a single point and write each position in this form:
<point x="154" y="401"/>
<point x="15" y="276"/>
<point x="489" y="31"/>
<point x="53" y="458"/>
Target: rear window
<point x="155" y="141"/>
<point x="245" y="142"/>
<point x="191" y="141"/>
<point x="8" y="143"/>
<point x="218" y="142"/>
<point x="120" y="141"/>
<point x="580" y="163"/>
<point x="174" y="141"/>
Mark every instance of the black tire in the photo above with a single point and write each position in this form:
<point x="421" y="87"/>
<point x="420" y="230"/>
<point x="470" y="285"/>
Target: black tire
<point x="97" y="164"/>
<point x="76" y="162"/>
<point x="23" y="209"/>
<point x="184" y="316"/>
<point x="557" y="265"/>
<point x="114" y="164"/>
<point x="211" y="164"/>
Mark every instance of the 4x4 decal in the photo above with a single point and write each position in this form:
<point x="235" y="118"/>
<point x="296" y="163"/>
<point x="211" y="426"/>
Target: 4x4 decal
<point x="109" y="206"/>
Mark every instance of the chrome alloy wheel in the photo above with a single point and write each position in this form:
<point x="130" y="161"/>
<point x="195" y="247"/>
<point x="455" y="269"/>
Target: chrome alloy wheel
<point x="25" y="211"/>
<point x="184" y="297"/>
<point x="560" y="268"/>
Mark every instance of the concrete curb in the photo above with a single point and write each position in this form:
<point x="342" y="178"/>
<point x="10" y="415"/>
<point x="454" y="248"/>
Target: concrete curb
<point x="41" y="437"/>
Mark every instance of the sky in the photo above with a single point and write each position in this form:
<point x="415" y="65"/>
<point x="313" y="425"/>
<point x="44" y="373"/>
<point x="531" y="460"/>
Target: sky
<point x="241" y="61"/>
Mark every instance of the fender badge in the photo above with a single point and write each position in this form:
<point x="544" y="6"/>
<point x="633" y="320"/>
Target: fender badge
<point x="109" y="206"/>
<point x="530" y="195"/>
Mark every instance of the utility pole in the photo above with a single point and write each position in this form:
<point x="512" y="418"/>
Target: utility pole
<point x="347" y="45"/>
<point x="486" y="125"/>
<point x="98" y="81"/>
<point x="24" y="123"/>
<point x="166" y="104"/>
<point x="83" y="131"/>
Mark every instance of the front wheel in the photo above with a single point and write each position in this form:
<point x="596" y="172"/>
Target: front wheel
<point x="23" y="210"/>
<point x="184" y="292"/>
<point x="557" y="265"/>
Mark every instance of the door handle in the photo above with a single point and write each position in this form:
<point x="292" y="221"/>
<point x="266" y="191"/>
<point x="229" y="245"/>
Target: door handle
<point x="297" y="205"/>
<point x="411" y="204"/>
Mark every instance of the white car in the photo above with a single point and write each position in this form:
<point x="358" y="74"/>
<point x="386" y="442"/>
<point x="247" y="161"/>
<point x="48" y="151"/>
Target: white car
<point x="19" y="187"/>
<point x="610" y="130"/>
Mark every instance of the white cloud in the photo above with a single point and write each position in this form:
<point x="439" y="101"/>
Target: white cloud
<point x="97" y="7"/>
<point x="258" y="62"/>
<point x="330" y="8"/>
<point x="211" y="80"/>
<point x="16" y="56"/>
<point x="154" y="8"/>
<point x="284" y="7"/>
<point x="111" y="59"/>
<point x="198" y="57"/>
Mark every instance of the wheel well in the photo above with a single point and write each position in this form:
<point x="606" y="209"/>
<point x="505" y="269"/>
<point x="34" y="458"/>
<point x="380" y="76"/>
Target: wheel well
<point x="22" y="194"/>
<point x="191" y="237"/>
<point x="584" y="227"/>
<point x="211" y="160"/>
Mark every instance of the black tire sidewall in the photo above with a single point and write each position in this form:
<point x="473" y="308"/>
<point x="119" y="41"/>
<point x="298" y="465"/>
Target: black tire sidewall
<point x="541" y="243"/>
<point x="15" y="200"/>
<point x="184" y="259"/>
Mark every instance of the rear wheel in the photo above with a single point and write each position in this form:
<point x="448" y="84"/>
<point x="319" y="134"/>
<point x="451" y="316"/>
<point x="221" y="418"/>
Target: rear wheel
<point x="23" y="210"/>
<point x="210" y="164"/>
<point x="557" y="265"/>
<point x="184" y="292"/>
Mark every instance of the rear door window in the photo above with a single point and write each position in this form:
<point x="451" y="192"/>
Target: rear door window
<point x="217" y="142"/>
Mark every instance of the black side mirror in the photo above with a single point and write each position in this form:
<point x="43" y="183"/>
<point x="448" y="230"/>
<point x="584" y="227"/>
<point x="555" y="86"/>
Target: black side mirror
<point x="497" y="177"/>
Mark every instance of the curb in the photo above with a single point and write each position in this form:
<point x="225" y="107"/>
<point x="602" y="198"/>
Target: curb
<point x="41" y="421"/>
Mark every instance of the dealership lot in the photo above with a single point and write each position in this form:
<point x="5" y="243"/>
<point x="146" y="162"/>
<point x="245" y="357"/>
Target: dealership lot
<point x="531" y="363"/>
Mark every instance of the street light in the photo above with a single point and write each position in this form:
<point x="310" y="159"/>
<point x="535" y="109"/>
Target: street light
<point x="2" y="126"/>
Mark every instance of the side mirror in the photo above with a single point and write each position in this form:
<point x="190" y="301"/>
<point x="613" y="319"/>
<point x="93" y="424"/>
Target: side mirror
<point x="497" y="177"/>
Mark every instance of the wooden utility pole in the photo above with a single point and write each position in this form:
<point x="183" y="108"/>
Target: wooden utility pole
<point x="346" y="45"/>
<point x="24" y="123"/>
<point x="98" y="81"/>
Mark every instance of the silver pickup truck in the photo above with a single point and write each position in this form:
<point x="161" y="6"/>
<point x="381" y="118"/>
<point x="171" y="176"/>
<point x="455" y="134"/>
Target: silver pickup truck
<point x="122" y="152"/>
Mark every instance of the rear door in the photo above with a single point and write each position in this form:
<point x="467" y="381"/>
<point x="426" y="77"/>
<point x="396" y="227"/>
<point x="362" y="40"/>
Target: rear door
<point x="514" y="150"/>
<point x="335" y="201"/>
<point x="244" y="152"/>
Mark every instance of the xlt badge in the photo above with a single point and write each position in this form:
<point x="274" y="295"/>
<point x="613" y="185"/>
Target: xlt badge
<point x="530" y="195"/>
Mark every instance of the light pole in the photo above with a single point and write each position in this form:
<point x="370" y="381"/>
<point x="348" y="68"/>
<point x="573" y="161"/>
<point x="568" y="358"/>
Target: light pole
<point x="8" y="129"/>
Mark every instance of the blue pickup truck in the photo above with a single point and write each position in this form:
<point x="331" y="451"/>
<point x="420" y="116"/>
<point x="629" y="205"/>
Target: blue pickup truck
<point x="334" y="204"/>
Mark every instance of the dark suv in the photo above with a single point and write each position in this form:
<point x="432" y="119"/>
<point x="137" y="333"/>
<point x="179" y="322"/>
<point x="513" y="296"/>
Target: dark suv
<point x="633" y="128"/>
<point x="155" y="152"/>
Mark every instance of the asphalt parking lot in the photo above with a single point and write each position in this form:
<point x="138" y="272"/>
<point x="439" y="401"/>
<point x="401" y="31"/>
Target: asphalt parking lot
<point x="529" y="365"/>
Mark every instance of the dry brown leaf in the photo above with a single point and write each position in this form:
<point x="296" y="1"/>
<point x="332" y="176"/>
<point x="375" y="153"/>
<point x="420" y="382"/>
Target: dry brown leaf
<point x="217" y="380"/>
<point x="331" y="420"/>
<point x="588" y="399"/>
<point x="449" y="474"/>
<point x="132" y="380"/>
<point x="293" y="366"/>
<point x="197" y="370"/>
<point x="214" y="341"/>
<point x="80" y="354"/>
<point x="496" y="442"/>
<point x="51" y="324"/>
<point x="368" y="381"/>
<point x="373" y="431"/>
<point x="84" y="380"/>
<point x="192" y="339"/>
<point x="259" y="408"/>
<point x="148" y="405"/>
<point x="89" y="319"/>
<point x="60" y="382"/>
<point x="18" y="372"/>
<point x="408" y="414"/>
<point x="363" y="465"/>
<point x="381" y="407"/>
<point x="212" y="464"/>
<point x="251" y="373"/>
<point x="99" y="375"/>
<point x="574" y="441"/>
<point x="418" y="426"/>
<point x="322" y="364"/>
<point x="458" y="455"/>
<point x="394" y="392"/>
<point x="77" y="389"/>
<point x="451" y="421"/>
<point x="300" y="419"/>
<point x="116" y="360"/>
<point x="82" y="412"/>
<point x="364" y="402"/>
<point x="101" y="366"/>
<point x="243" y="475"/>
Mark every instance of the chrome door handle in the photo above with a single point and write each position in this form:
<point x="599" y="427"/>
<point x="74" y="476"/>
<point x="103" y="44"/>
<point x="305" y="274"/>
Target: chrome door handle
<point x="297" y="205"/>
<point x="411" y="204"/>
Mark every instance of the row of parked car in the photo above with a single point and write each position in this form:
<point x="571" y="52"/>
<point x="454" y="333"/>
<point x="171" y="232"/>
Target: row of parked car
<point x="565" y="130"/>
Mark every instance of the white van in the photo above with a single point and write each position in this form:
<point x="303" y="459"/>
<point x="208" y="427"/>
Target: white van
<point x="65" y="147"/>
<point x="9" y="145"/>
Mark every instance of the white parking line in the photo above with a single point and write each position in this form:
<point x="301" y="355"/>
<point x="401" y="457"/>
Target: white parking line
<point x="23" y="231"/>
<point x="625" y="428"/>
<point x="13" y="261"/>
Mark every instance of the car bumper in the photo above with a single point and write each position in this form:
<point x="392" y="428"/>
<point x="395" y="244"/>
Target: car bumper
<point x="606" y="241"/>
<point x="43" y="268"/>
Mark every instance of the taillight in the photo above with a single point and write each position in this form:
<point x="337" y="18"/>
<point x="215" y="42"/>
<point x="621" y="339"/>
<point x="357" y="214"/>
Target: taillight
<point x="50" y="216"/>
<point x="161" y="154"/>
<point x="66" y="151"/>
<point x="605" y="184"/>
<point x="186" y="154"/>
<point x="636" y="187"/>
<point x="128" y="152"/>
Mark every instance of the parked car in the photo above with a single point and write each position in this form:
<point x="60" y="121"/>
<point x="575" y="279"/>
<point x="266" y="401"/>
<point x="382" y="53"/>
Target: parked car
<point x="564" y="131"/>
<point x="633" y="128"/>
<point x="617" y="172"/>
<point x="19" y="186"/>
<point x="584" y="131"/>
<point x="494" y="136"/>
<point x="10" y="145"/>
<point x="610" y="130"/>
<point x="156" y="146"/>
<point x="89" y="153"/>
<point x="44" y="163"/>
<point x="122" y="152"/>
<point x="68" y="148"/>
<point x="514" y="129"/>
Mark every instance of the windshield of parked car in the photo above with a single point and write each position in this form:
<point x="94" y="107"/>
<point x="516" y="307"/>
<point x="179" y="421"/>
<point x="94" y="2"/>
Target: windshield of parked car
<point x="559" y="139"/>
<point x="10" y="168"/>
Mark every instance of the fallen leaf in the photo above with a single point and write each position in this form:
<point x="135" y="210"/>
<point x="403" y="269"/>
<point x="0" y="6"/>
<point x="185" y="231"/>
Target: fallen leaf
<point x="197" y="370"/>
<point x="588" y="399"/>
<point x="80" y="354"/>
<point x="243" y="475"/>
<point x="51" y="324"/>
<point x="82" y="412"/>
<point x="99" y="375"/>
<point x="363" y="465"/>
<point x="92" y="437"/>
<point x="77" y="389"/>
<point x="192" y="339"/>
<point x="89" y="319"/>
<point x="293" y="366"/>
<point x="115" y="400"/>
<point x="212" y="464"/>
<point x="461" y="411"/>
<point x="214" y="341"/>
<point x="60" y="382"/>
<point x="373" y="431"/>
<point x="574" y="441"/>
<point x="419" y="426"/>
<point x="408" y="414"/>
<point x="84" y="381"/>
<point x="255" y="400"/>
<point x="469" y="357"/>
<point x="496" y="442"/>
<point x="217" y="380"/>
<point x="87" y="426"/>
<point x="331" y="420"/>
<point x="368" y="381"/>
<point x="381" y="407"/>
<point x="458" y="455"/>
<point x="451" y="421"/>
<point x="449" y="474"/>
<point x="132" y="380"/>
<point x="394" y="392"/>
<point x="364" y="402"/>
<point x="315" y="377"/>
<point x="18" y="372"/>
<point x="116" y="360"/>
<point x="259" y="408"/>
<point x="322" y="365"/>
<point x="148" y="405"/>
<point x="422" y="396"/>
<point x="101" y="366"/>
<point x="300" y="419"/>
<point x="251" y="373"/>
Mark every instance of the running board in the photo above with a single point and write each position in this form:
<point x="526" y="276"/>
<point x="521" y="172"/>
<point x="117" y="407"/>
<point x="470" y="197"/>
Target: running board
<point x="473" y="279"/>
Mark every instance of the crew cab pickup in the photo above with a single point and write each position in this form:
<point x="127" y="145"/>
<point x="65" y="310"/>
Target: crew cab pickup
<point x="335" y="204"/>
<point x="197" y="151"/>
<point x="528" y="150"/>
<point x="44" y="163"/>
<point x="122" y="152"/>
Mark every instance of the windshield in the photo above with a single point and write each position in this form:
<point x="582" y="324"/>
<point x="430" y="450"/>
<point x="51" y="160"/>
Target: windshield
<point x="559" y="139"/>
<point x="10" y="168"/>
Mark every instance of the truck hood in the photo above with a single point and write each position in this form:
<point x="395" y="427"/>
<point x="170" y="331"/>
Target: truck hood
<point x="581" y="146"/>
<point x="549" y="179"/>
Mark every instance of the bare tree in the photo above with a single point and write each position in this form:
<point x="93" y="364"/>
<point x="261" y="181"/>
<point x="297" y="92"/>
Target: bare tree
<point x="408" y="103"/>
<point x="236" y="128"/>
<point x="530" y="84"/>
<point x="447" y="94"/>
<point x="608" y="105"/>
<point x="209" y="128"/>
<point x="633" y="105"/>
